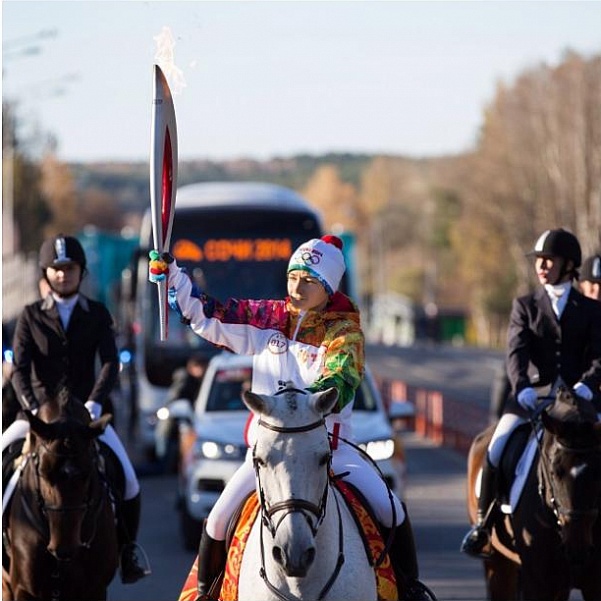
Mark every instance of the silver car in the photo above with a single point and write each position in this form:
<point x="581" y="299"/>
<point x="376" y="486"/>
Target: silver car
<point x="212" y="443"/>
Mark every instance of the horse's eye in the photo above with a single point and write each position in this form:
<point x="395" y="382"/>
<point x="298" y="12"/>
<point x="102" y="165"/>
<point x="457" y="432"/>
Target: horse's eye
<point x="258" y="462"/>
<point x="324" y="459"/>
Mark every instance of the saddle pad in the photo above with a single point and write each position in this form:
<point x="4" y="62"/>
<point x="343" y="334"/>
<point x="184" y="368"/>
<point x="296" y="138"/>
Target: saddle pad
<point x="229" y="588"/>
<point x="521" y="474"/>
<point x="385" y="579"/>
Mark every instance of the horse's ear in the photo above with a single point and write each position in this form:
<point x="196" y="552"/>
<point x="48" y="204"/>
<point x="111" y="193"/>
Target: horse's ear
<point x="98" y="426"/>
<point x="38" y="427"/>
<point x="257" y="403"/>
<point x="324" y="401"/>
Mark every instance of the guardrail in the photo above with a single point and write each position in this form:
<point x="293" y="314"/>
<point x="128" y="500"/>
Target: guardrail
<point x="445" y="421"/>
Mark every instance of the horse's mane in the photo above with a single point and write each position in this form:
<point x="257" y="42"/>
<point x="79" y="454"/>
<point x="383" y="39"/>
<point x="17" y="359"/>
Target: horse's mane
<point x="569" y="407"/>
<point x="572" y="419"/>
<point x="64" y="413"/>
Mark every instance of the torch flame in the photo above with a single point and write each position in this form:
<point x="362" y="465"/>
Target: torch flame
<point x="164" y="58"/>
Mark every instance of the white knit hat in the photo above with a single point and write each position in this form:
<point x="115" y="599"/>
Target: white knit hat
<point x="323" y="259"/>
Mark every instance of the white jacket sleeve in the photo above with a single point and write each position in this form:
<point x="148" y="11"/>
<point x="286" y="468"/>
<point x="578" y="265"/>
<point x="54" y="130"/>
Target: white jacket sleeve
<point x="241" y="337"/>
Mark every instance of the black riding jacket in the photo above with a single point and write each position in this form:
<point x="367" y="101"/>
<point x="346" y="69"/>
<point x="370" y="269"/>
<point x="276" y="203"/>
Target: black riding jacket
<point x="569" y="347"/>
<point x="45" y="355"/>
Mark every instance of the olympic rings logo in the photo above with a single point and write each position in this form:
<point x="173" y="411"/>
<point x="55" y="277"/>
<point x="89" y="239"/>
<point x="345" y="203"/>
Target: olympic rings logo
<point x="309" y="258"/>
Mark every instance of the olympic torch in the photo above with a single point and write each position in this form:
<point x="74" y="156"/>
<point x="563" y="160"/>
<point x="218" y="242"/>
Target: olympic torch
<point x="163" y="179"/>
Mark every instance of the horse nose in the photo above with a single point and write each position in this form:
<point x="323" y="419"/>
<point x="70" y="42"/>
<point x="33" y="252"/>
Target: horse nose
<point x="294" y="569"/>
<point x="62" y="553"/>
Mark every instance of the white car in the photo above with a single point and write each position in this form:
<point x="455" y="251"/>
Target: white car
<point x="212" y="444"/>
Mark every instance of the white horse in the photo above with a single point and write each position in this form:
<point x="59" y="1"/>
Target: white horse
<point x="304" y="543"/>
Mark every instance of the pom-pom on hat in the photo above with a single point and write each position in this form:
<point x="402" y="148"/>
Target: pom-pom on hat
<point x="323" y="259"/>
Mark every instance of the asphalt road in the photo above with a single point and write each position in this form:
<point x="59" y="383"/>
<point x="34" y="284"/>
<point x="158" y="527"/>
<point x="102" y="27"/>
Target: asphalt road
<point x="462" y="374"/>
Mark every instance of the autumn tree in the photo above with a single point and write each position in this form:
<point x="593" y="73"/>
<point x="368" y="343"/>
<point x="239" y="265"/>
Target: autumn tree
<point x="60" y="195"/>
<point x="537" y="166"/>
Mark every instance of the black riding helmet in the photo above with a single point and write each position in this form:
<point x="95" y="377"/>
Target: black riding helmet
<point x="61" y="250"/>
<point x="591" y="269"/>
<point x="559" y="243"/>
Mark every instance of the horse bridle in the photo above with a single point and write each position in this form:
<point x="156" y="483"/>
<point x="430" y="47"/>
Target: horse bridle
<point x="558" y="510"/>
<point x="291" y="505"/>
<point x="44" y="507"/>
<point x="296" y="505"/>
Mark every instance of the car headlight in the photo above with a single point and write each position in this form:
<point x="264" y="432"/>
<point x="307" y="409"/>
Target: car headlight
<point x="163" y="413"/>
<point x="210" y="449"/>
<point x="379" y="450"/>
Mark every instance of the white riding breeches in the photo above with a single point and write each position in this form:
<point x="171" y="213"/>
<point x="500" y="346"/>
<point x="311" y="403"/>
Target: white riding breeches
<point x="507" y="424"/>
<point x="20" y="428"/>
<point x="344" y="459"/>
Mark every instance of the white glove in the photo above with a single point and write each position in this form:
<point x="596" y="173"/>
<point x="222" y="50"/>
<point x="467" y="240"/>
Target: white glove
<point x="582" y="390"/>
<point x="527" y="398"/>
<point x="95" y="409"/>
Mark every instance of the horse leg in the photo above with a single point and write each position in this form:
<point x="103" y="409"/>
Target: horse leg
<point x="7" y="592"/>
<point x="501" y="576"/>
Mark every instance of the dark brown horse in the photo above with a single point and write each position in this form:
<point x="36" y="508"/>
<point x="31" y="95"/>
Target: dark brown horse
<point x="552" y="542"/>
<point x="61" y="528"/>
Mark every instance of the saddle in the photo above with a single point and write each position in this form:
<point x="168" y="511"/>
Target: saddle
<point x="242" y="523"/>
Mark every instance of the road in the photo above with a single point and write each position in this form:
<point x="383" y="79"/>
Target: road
<point x="462" y="374"/>
<point x="436" y="502"/>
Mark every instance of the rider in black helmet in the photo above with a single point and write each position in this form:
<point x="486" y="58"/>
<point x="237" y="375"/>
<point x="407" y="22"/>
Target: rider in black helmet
<point x="590" y="277"/>
<point x="558" y="331"/>
<point x="57" y="342"/>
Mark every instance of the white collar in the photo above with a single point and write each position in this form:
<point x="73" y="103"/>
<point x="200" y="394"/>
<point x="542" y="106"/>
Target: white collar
<point x="558" y="290"/>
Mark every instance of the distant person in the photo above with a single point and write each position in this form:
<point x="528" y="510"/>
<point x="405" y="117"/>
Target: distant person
<point x="557" y="330"/>
<point x="590" y="277"/>
<point x="186" y="380"/>
<point x="56" y="343"/>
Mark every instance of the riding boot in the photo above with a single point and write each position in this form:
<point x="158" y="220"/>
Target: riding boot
<point x="132" y="566"/>
<point x="403" y="557"/>
<point x="211" y="562"/>
<point x="477" y="541"/>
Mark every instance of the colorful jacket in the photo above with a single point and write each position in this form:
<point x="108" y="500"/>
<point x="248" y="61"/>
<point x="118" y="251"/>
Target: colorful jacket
<point x="314" y="350"/>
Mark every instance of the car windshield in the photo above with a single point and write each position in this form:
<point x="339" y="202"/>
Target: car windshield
<point x="226" y="392"/>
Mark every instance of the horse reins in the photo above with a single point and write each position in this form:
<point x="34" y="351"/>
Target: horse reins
<point x="296" y="505"/>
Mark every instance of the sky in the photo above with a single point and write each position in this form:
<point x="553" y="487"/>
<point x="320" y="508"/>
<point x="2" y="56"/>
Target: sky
<point x="266" y="79"/>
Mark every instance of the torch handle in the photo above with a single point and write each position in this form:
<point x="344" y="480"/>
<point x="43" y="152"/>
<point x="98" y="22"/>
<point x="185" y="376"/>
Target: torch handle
<point x="163" y="308"/>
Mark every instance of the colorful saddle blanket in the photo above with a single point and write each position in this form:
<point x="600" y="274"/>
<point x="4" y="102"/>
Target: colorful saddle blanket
<point x="374" y="546"/>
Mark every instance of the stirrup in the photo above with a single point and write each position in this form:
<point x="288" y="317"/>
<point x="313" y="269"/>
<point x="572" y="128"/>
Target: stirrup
<point x="477" y="543"/>
<point x="418" y="591"/>
<point x="136" y="552"/>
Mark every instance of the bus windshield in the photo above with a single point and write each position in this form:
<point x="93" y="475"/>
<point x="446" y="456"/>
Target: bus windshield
<point x="240" y="254"/>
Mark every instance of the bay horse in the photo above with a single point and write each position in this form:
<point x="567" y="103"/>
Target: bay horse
<point x="62" y="540"/>
<point x="551" y="543"/>
<point x="305" y="543"/>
